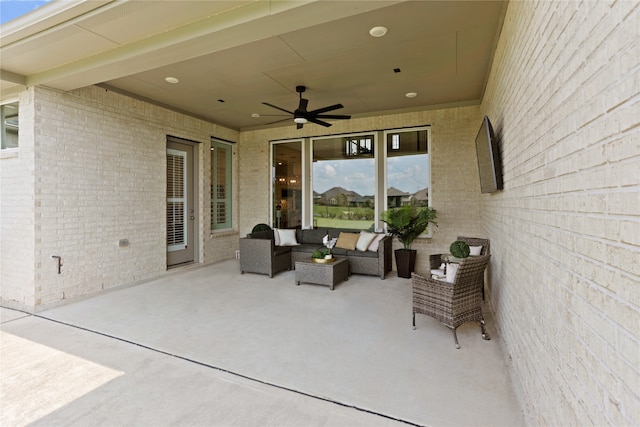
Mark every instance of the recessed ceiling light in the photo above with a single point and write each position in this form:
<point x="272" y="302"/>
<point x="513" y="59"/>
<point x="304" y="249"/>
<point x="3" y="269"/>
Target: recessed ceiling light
<point x="172" y="80"/>
<point x="411" y="95"/>
<point x="378" y="31"/>
<point x="255" y="115"/>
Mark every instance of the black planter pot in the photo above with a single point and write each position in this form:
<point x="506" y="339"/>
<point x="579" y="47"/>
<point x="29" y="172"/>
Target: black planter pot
<point x="405" y="262"/>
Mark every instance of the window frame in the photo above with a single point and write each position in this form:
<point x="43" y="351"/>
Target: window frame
<point x="380" y="157"/>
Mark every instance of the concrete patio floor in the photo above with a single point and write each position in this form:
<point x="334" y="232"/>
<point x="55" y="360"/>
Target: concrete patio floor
<point x="207" y="346"/>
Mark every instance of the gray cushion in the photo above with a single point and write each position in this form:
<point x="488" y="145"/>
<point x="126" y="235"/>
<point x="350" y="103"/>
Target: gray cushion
<point x="306" y="248"/>
<point x="313" y="236"/>
<point x="279" y="250"/>
<point x="362" y="254"/>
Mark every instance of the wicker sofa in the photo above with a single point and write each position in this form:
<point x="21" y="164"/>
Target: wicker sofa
<point x="260" y="254"/>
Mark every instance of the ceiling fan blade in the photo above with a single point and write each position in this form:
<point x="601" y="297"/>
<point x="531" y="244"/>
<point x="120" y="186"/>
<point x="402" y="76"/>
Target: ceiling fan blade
<point x="277" y="108"/>
<point x="330" y="116"/>
<point x="318" y="122"/>
<point x="325" y="109"/>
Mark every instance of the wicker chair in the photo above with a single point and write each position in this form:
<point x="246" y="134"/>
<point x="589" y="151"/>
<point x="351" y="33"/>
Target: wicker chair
<point x="452" y="303"/>
<point x="260" y="255"/>
<point x="475" y="241"/>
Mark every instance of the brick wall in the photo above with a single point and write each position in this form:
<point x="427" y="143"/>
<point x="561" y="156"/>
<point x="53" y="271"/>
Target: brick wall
<point x="98" y="176"/>
<point x="564" y="99"/>
<point x="455" y="181"/>
<point x="17" y="214"/>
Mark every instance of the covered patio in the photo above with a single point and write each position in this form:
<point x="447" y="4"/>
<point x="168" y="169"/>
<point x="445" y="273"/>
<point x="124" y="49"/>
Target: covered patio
<point x="209" y="346"/>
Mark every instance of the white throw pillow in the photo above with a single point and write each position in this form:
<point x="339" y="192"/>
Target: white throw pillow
<point x="364" y="240"/>
<point x="373" y="246"/>
<point x="276" y="237"/>
<point x="475" y="250"/>
<point x="452" y="269"/>
<point x="287" y="237"/>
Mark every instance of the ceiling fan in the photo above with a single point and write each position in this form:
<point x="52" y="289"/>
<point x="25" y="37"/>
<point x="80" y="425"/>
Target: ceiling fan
<point x="302" y="116"/>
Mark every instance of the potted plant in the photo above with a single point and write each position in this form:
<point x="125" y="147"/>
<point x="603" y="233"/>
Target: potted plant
<point x="407" y="223"/>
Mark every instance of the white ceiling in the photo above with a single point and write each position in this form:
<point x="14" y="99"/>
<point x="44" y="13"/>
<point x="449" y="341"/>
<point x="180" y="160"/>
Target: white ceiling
<point x="248" y="52"/>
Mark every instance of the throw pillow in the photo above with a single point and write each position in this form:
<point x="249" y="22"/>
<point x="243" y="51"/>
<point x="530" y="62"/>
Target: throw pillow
<point x="373" y="247"/>
<point x="364" y="240"/>
<point x="475" y="250"/>
<point x="287" y="237"/>
<point x="347" y="241"/>
<point x="452" y="269"/>
<point x="276" y="237"/>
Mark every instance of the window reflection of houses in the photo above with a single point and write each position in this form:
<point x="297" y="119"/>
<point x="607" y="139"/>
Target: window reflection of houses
<point x="338" y="196"/>
<point x="420" y="197"/>
<point x="397" y="198"/>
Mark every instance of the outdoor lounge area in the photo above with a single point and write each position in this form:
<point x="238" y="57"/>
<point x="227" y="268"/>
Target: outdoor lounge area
<point x="143" y="140"/>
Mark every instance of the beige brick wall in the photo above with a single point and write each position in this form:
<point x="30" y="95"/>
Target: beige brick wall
<point x="17" y="214"/>
<point x="98" y="176"/>
<point x="455" y="182"/>
<point x="564" y="97"/>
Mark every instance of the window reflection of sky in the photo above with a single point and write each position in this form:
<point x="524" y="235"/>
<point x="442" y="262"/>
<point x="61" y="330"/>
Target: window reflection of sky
<point x="406" y="173"/>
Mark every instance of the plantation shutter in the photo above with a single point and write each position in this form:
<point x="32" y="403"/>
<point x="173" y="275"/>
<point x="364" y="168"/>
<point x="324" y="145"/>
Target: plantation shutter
<point x="221" y="156"/>
<point x="176" y="200"/>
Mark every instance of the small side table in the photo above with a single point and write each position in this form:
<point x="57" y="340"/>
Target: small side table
<point x="328" y="274"/>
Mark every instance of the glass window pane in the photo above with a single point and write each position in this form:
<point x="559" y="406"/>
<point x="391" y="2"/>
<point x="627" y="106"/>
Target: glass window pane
<point x="287" y="185"/>
<point x="221" y="185"/>
<point x="9" y="125"/>
<point x="344" y="182"/>
<point x="408" y="174"/>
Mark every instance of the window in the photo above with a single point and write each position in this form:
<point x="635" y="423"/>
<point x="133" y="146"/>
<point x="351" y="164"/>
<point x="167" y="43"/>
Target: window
<point x="351" y="178"/>
<point x="9" y="125"/>
<point x="344" y="182"/>
<point x="287" y="184"/>
<point x="221" y="185"/>
<point x="408" y="175"/>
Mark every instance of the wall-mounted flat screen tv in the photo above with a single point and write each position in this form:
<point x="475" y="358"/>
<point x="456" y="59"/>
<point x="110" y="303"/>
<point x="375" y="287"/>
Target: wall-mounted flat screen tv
<point x="489" y="163"/>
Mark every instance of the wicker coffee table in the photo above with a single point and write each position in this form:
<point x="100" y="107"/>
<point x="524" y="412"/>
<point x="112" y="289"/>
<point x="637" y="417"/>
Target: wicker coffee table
<point x="329" y="274"/>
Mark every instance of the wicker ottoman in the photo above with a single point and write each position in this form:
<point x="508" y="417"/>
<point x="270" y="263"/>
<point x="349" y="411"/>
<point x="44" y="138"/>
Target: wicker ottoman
<point x="329" y="274"/>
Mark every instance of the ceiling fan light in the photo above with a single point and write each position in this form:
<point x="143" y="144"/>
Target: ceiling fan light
<point x="300" y="120"/>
